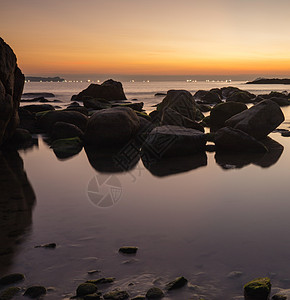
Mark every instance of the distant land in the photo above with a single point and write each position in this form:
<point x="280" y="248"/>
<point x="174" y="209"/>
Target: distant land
<point x="269" y="81"/>
<point x="44" y="79"/>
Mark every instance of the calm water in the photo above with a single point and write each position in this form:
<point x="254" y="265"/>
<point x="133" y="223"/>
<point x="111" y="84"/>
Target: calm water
<point x="188" y="219"/>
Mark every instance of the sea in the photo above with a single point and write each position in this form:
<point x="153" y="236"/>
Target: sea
<point x="219" y="221"/>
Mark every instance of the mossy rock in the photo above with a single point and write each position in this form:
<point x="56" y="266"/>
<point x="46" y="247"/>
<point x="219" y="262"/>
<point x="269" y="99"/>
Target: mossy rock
<point x="95" y="296"/>
<point x="279" y="297"/>
<point x="41" y="113"/>
<point x="11" y="278"/>
<point x="86" y="289"/>
<point x="9" y="293"/>
<point x="116" y="295"/>
<point x="67" y="147"/>
<point x="139" y="297"/>
<point x="177" y="283"/>
<point x="154" y="293"/>
<point x="257" y="289"/>
<point x="143" y="115"/>
<point x="101" y="280"/>
<point x="128" y="250"/>
<point x="35" y="291"/>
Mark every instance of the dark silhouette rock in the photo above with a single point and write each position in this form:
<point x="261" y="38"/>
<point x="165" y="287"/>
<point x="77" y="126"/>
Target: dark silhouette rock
<point x="11" y="87"/>
<point x="66" y="148"/>
<point x="34" y="95"/>
<point x="128" y="250"/>
<point x="86" y="289"/>
<point x="113" y="126"/>
<point x="137" y="106"/>
<point x="281" y="101"/>
<point x="228" y="91"/>
<point x="166" y="141"/>
<point x="172" y="117"/>
<point x="235" y="140"/>
<point x="241" y="96"/>
<point x="257" y="289"/>
<point x="11" y="278"/>
<point x="47" y="120"/>
<point x="269" y="81"/>
<point x="35" y="291"/>
<point x="210" y="97"/>
<point x="154" y="293"/>
<point x="27" y="120"/>
<point x="259" y="120"/>
<point x="109" y="90"/>
<point x="62" y="130"/>
<point x="80" y="109"/>
<point x="223" y="111"/>
<point x="177" y="283"/>
<point x="36" y="108"/>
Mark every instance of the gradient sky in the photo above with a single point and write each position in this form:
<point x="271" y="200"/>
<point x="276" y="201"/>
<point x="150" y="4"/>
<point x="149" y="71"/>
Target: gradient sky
<point x="149" y="36"/>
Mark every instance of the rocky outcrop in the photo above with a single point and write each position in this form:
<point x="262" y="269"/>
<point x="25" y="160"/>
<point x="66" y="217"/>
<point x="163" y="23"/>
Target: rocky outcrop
<point x="241" y="96"/>
<point x="109" y="90"/>
<point x="269" y="81"/>
<point x="259" y="120"/>
<point x="11" y="87"/>
<point x="166" y="141"/>
<point x="112" y="126"/>
<point x="208" y="97"/>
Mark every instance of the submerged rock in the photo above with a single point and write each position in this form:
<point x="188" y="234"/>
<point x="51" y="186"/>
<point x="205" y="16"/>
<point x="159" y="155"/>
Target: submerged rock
<point x="128" y="250"/>
<point x="42" y="94"/>
<point x="95" y="296"/>
<point x="279" y="297"/>
<point x="259" y="120"/>
<point x="97" y="103"/>
<point x="101" y="280"/>
<point x="113" y="126"/>
<point x="154" y="293"/>
<point x="116" y="295"/>
<point x="86" y="289"/>
<point x="11" y="278"/>
<point x="36" y="108"/>
<point x="177" y="283"/>
<point x="108" y="90"/>
<point x="49" y="246"/>
<point x="166" y="141"/>
<point x="9" y="293"/>
<point x="35" y="291"/>
<point x="257" y="289"/>
<point x="63" y="130"/>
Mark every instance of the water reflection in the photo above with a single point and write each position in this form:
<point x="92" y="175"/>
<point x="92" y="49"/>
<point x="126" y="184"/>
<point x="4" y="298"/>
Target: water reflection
<point x="230" y="160"/>
<point x="173" y="165"/>
<point x="17" y="199"/>
<point x="110" y="160"/>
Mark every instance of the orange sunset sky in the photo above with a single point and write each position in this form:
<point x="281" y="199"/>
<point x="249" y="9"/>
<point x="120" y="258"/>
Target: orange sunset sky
<point x="194" y="37"/>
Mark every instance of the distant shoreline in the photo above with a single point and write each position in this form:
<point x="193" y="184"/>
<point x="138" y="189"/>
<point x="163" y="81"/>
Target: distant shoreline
<point x="269" y="81"/>
<point x="44" y="79"/>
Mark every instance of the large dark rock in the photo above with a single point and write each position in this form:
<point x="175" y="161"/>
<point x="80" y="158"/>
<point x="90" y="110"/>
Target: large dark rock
<point x="109" y="90"/>
<point x="166" y="141"/>
<point x="80" y="109"/>
<point x="281" y="101"/>
<point x="113" y="126"/>
<point x="258" y="289"/>
<point x="66" y="148"/>
<point x="223" y="111"/>
<point x="235" y="140"/>
<point x="47" y="121"/>
<point x="96" y="104"/>
<point x="27" y="120"/>
<point x="181" y="101"/>
<point x="259" y="120"/>
<point x="11" y="87"/>
<point x="43" y="94"/>
<point x="172" y="117"/>
<point x="210" y="97"/>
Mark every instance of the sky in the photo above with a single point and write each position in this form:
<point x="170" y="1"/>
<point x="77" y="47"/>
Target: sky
<point x="157" y="37"/>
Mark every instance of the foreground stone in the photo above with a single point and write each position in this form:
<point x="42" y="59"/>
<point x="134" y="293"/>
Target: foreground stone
<point x="11" y="87"/>
<point x="259" y="120"/>
<point x="223" y="111"/>
<point x="177" y="283"/>
<point x="235" y="140"/>
<point x="165" y="141"/>
<point x="154" y="293"/>
<point x="113" y="126"/>
<point x="9" y="293"/>
<point x="116" y="295"/>
<point x="257" y="289"/>
<point x="11" y="278"/>
<point x="86" y="289"/>
<point x="63" y="130"/>
<point x="108" y="90"/>
<point x="35" y="291"/>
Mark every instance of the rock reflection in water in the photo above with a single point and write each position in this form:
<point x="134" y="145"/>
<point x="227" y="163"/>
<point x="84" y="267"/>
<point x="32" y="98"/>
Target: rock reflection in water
<point x="229" y="160"/>
<point x="110" y="160"/>
<point x="17" y="199"/>
<point x="173" y="165"/>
